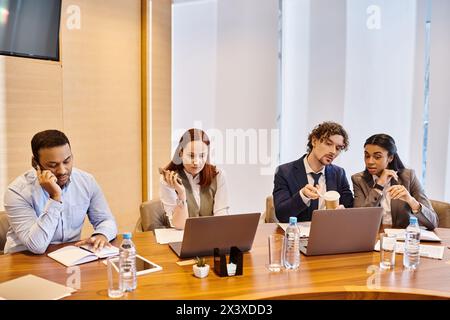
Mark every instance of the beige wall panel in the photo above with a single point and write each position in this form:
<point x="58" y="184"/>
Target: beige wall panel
<point x="161" y="86"/>
<point x="30" y="101"/>
<point x="101" y="96"/>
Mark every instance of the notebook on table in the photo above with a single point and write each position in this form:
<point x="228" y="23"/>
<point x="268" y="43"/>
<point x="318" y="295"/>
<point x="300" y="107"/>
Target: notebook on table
<point x="203" y="234"/>
<point x="73" y="255"/>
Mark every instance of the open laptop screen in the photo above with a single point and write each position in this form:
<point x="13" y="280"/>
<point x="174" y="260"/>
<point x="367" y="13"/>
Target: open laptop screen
<point x="203" y="234"/>
<point x="343" y="230"/>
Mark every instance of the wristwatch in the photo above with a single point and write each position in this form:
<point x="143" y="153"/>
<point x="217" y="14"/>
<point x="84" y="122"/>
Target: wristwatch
<point x="180" y="202"/>
<point x="378" y="186"/>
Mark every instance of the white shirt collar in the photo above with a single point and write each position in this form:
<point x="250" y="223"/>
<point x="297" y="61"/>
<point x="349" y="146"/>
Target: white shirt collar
<point x="191" y="178"/>
<point x="308" y="168"/>
<point x="375" y="178"/>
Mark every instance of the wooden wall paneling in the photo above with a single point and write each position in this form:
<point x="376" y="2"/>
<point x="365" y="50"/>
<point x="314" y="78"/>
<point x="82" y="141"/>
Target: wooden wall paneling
<point x="30" y="101"/>
<point x="161" y="88"/>
<point x="145" y="49"/>
<point x="102" y="99"/>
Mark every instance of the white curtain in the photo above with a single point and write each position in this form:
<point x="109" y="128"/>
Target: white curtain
<point x="357" y="62"/>
<point x="225" y="82"/>
<point x="361" y="63"/>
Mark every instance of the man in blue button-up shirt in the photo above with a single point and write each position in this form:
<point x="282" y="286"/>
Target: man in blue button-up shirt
<point x="48" y="204"/>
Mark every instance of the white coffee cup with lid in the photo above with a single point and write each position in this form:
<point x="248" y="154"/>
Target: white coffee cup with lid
<point x="331" y="199"/>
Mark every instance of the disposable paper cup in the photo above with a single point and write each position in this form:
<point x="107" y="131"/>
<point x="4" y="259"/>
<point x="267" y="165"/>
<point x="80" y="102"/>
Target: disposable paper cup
<point x="331" y="200"/>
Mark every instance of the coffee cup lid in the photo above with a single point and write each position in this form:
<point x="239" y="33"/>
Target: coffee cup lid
<point x="331" y="195"/>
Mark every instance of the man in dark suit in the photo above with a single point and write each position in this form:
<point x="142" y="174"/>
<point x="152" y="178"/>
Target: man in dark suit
<point x="298" y="184"/>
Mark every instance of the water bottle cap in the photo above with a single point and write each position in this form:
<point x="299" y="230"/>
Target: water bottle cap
<point x="293" y="220"/>
<point x="127" y="235"/>
<point x="413" y="220"/>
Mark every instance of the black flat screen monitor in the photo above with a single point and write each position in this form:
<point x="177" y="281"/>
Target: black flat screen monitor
<point x="30" y="28"/>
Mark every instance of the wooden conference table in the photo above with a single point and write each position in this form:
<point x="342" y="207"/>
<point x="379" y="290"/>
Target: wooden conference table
<point x="343" y="276"/>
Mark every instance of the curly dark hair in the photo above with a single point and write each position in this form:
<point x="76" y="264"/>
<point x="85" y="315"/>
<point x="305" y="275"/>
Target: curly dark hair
<point x="326" y="130"/>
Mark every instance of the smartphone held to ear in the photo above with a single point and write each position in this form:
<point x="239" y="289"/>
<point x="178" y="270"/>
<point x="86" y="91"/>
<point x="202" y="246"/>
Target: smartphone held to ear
<point x="162" y="171"/>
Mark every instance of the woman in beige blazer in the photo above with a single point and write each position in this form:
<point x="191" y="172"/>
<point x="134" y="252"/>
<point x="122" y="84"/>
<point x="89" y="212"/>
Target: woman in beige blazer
<point x="387" y="183"/>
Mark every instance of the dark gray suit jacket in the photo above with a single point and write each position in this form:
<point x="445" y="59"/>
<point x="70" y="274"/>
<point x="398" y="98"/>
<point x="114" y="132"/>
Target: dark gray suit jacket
<point x="367" y="196"/>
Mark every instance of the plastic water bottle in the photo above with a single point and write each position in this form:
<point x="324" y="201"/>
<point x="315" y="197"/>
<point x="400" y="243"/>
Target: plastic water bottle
<point x="127" y="263"/>
<point x="411" y="255"/>
<point x="292" y="247"/>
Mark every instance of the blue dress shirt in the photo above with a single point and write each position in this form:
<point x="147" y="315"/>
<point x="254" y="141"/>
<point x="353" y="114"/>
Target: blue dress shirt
<point x="36" y="220"/>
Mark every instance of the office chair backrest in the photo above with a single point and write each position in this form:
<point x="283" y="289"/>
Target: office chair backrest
<point x="443" y="211"/>
<point x="4" y="225"/>
<point x="270" y="216"/>
<point x="153" y="216"/>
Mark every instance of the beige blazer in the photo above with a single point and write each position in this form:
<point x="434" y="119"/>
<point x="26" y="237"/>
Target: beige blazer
<point x="367" y="196"/>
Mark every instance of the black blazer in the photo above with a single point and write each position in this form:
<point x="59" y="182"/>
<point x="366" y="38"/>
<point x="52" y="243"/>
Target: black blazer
<point x="291" y="177"/>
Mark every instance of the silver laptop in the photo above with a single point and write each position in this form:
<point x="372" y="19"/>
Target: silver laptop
<point x="342" y="231"/>
<point x="203" y="234"/>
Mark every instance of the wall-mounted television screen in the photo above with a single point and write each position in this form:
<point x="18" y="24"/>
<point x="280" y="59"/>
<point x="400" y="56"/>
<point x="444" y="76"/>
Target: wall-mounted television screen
<point x="30" y="28"/>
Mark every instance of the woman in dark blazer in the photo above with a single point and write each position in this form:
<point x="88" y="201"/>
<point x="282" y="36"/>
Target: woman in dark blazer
<point x="387" y="183"/>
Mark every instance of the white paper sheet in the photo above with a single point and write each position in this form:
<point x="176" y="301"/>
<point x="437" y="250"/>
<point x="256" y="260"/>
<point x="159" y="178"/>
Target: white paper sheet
<point x="303" y="226"/>
<point x="425" y="235"/>
<point x="427" y="251"/>
<point x="31" y="287"/>
<point x="164" y="236"/>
